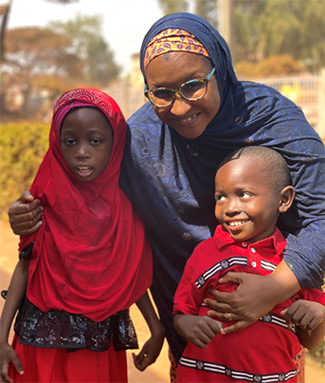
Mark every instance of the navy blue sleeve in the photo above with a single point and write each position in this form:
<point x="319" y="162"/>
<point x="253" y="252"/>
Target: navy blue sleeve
<point x="306" y="220"/>
<point x="304" y="223"/>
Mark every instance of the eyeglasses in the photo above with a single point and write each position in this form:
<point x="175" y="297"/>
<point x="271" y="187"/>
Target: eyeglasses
<point x="191" y="90"/>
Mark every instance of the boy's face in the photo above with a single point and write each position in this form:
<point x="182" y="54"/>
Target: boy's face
<point x="246" y="202"/>
<point x="86" y="142"/>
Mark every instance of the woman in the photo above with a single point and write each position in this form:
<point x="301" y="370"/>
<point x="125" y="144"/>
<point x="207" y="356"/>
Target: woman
<point x="175" y="143"/>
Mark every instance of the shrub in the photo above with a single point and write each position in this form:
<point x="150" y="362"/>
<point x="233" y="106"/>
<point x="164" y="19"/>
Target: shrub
<point x="280" y="65"/>
<point x="23" y="146"/>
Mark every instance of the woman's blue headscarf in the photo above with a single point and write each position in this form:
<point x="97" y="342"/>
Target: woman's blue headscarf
<point x="170" y="179"/>
<point x="211" y="39"/>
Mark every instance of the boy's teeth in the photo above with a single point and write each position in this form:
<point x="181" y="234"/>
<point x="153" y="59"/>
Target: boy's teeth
<point x="236" y="223"/>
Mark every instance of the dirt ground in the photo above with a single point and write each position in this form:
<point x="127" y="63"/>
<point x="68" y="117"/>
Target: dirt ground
<point x="157" y="373"/>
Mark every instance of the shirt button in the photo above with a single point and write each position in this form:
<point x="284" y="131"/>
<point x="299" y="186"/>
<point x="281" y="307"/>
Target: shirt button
<point x="253" y="264"/>
<point x="244" y="244"/>
<point x="186" y="236"/>
<point x="253" y="250"/>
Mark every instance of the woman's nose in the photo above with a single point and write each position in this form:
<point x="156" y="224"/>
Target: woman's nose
<point x="180" y="106"/>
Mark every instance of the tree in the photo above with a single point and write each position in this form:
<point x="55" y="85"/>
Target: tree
<point x="88" y="44"/>
<point x="172" y="6"/>
<point x="38" y="54"/>
<point x="208" y="9"/>
<point x="56" y="58"/>
<point x="264" y="28"/>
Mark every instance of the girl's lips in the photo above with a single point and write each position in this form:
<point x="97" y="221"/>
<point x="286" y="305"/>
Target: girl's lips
<point x="84" y="171"/>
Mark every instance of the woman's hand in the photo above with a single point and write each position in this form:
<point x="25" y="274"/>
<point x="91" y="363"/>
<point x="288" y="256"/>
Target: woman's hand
<point x="25" y="214"/>
<point x="255" y="296"/>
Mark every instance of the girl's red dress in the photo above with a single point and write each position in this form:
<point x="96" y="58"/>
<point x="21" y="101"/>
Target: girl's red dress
<point x="90" y="262"/>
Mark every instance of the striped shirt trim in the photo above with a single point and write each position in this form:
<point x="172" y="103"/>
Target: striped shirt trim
<point x="226" y="264"/>
<point x="223" y="265"/>
<point x="279" y="321"/>
<point x="235" y="374"/>
<point x="272" y="319"/>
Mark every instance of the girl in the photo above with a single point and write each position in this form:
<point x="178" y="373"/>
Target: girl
<point x="90" y="261"/>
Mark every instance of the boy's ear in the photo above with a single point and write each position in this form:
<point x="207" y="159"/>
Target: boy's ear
<point x="287" y="196"/>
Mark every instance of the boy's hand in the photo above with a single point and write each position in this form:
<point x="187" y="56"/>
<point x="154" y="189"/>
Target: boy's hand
<point x="8" y="355"/>
<point x="198" y="330"/>
<point x="305" y="314"/>
<point x="149" y="352"/>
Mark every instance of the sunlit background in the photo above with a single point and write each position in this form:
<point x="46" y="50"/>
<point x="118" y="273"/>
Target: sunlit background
<point x="50" y="46"/>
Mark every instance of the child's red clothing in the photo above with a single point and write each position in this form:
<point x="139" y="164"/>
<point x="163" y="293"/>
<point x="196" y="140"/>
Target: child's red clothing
<point x="90" y="260"/>
<point x="262" y="352"/>
<point x="49" y="365"/>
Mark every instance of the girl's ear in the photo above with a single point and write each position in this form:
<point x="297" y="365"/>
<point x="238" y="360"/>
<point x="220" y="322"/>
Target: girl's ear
<point x="287" y="196"/>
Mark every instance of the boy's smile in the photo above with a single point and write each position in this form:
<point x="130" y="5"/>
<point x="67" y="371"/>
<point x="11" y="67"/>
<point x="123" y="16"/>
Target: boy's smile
<point x="246" y="201"/>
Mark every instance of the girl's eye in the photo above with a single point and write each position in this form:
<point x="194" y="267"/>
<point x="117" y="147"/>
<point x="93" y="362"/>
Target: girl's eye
<point x="69" y="141"/>
<point x="95" y="141"/>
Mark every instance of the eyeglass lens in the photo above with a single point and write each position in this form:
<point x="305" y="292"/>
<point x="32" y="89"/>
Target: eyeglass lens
<point x="191" y="90"/>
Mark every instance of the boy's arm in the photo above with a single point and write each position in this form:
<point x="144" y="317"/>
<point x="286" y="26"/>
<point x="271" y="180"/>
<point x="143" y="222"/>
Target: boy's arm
<point x="16" y="293"/>
<point x="196" y="329"/>
<point x="152" y="347"/>
<point x="309" y="318"/>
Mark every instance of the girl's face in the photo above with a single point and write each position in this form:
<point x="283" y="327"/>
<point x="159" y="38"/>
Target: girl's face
<point x="86" y="142"/>
<point x="246" y="202"/>
<point x="171" y="70"/>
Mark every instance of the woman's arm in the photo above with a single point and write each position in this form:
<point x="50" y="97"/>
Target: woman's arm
<point x="255" y="296"/>
<point x="151" y="349"/>
<point x="16" y="293"/>
<point x="25" y="214"/>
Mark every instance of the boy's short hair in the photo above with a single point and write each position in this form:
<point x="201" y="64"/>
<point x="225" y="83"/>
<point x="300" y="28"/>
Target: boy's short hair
<point x="274" y="164"/>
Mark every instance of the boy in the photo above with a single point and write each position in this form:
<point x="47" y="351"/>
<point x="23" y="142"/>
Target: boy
<point x="252" y="188"/>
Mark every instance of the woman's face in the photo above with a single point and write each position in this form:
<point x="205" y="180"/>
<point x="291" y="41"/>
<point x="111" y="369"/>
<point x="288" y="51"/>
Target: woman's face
<point x="171" y="70"/>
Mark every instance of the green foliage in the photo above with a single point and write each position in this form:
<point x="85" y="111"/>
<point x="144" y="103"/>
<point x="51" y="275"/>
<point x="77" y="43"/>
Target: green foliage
<point x="172" y="6"/>
<point x="89" y="45"/>
<point x="208" y="10"/>
<point x="270" y="66"/>
<point x="23" y="146"/>
<point x="263" y="28"/>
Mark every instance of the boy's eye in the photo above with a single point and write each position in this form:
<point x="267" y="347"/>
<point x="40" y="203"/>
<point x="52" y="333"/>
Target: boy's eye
<point x="245" y="195"/>
<point x="219" y="197"/>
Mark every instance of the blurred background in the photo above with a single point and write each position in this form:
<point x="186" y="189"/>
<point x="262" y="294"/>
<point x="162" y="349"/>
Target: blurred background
<point x="50" y="46"/>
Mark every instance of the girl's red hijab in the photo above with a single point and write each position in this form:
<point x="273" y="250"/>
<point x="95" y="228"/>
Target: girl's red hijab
<point x="90" y="255"/>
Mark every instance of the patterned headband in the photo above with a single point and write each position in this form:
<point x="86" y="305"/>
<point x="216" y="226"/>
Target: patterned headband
<point x="173" y="40"/>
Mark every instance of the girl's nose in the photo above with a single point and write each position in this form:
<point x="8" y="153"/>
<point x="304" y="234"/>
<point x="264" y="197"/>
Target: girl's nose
<point x="82" y="151"/>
